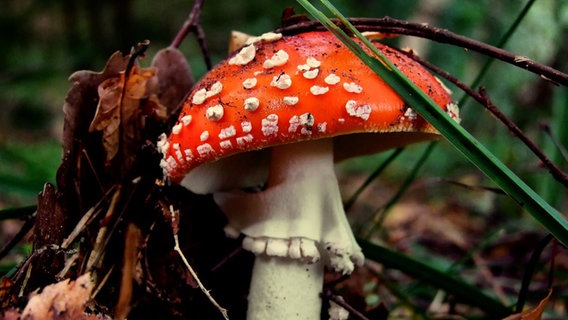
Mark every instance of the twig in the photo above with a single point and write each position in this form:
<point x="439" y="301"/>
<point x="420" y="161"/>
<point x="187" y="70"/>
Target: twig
<point x="28" y="225"/>
<point x="175" y="220"/>
<point x="485" y="101"/>
<point x="192" y="24"/>
<point x="339" y="301"/>
<point x="395" y="26"/>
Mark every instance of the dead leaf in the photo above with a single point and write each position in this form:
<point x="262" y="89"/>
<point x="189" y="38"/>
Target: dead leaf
<point x="120" y="106"/>
<point x="174" y="75"/>
<point x="76" y="182"/>
<point x="532" y="313"/>
<point x="131" y="252"/>
<point x="62" y="300"/>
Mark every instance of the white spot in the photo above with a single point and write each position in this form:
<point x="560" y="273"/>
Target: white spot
<point x="303" y="67"/>
<point x="179" y="156"/>
<point x="282" y="81"/>
<point x="294" y="124"/>
<point x="204" y="149"/>
<point x="257" y="73"/>
<point x="268" y="37"/>
<point x="453" y="111"/>
<point x="171" y="162"/>
<point x="177" y="128"/>
<point x="244" y="56"/>
<point x="176" y="146"/>
<point x="278" y="59"/>
<point x="317" y="90"/>
<point x="204" y="136"/>
<point x="163" y="144"/>
<point x="215" y="89"/>
<point x="186" y="119"/>
<point x="270" y="125"/>
<point x="227" y="132"/>
<point x="188" y="154"/>
<point x="215" y="112"/>
<point x="341" y="120"/>
<point x="199" y="96"/>
<point x="307" y="121"/>
<point x="251" y="104"/>
<point x="311" y="74"/>
<point x="291" y="100"/>
<point x="410" y="114"/>
<point x="352" y="87"/>
<point x="226" y="144"/>
<point x="249" y="83"/>
<point x="246" y="126"/>
<point x="164" y="165"/>
<point x="241" y="141"/>
<point x="332" y="79"/>
<point x="313" y="62"/>
<point x="354" y="110"/>
<point x="322" y="127"/>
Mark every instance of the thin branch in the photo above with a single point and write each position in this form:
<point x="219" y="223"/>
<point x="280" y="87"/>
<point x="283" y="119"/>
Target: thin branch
<point x="192" y="24"/>
<point x="485" y="101"/>
<point x="340" y="302"/>
<point x="174" y="215"/>
<point x="28" y="225"/>
<point x="390" y="25"/>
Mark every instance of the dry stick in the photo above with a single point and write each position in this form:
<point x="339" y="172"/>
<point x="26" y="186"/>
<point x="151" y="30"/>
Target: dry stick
<point x="175" y="222"/>
<point x="28" y="225"/>
<point x="340" y="302"/>
<point x="484" y="100"/>
<point x="192" y="24"/>
<point x="395" y="26"/>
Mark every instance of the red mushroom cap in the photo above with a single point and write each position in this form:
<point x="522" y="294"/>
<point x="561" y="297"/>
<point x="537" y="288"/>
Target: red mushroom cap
<point x="279" y="90"/>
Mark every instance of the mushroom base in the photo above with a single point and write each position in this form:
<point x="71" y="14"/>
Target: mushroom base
<point x="284" y="288"/>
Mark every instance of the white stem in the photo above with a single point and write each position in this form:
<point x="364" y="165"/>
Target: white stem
<point x="284" y="289"/>
<point x="295" y="227"/>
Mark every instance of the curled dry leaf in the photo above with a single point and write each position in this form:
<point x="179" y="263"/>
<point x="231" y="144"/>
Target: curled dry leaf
<point x="122" y="101"/>
<point x="62" y="300"/>
<point x="76" y="184"/>
<point x="534" y="313"/>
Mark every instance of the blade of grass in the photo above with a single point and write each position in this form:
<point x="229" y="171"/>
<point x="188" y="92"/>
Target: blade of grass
<point x="464" y="291"/>
<point x="460" y="138"/>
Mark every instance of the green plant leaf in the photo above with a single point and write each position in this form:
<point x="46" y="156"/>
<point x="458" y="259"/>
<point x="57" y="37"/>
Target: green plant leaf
<point x="462" y="290"/>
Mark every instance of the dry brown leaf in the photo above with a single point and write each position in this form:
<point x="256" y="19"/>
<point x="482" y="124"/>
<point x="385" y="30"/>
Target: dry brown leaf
<point x="174" y="75"/>
<point x="120" y="106"/>
<point x="532" y="313"/>
<point x="62" y="300"/>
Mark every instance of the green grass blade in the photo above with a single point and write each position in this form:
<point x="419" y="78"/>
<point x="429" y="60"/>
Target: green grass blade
<point x="425" y="273"/>
<point x="462" y="140"/>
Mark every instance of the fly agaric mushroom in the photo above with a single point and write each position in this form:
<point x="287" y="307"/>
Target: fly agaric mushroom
<point x="262" y="131"/>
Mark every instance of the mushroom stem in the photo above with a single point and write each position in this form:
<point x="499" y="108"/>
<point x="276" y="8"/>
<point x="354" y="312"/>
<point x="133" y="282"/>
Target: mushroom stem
<point x="285" y="288"/>
<point x="296" y="226"/>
